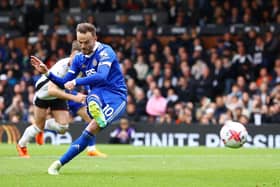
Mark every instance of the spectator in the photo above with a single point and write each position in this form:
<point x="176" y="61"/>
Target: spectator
<point x="242" y="63"/>
<point x="156" y="71"/>
<point x="271" y="46"/>
<point x="220" y="108"/>
<point x="150" y="40"/>
<point x="123" y="134"/>
<point x="184" y="113"/>
<point x="219" y="74"/>
<point x="156" y="105"/>
<point x="132" y="87"/>
<point x="247" y="102"/>
<point x="131" y="112"/>
<point x="13" y="26"/>
<point x="140" y="104"/>
<point x="149" y="22"/>
<point x="5" y="89"/>
<point x="167" y="75"/>
<point x="258" y="55"/>
<point x="241" y="83"/>
<point x="2" y="107"/>
<point x="204" y="85"/>
<point x="5" y="6"/>
<point x="15" y="112"/>
<point x="128" y="69"/>
<point x="184" y="90"/>
<point x="276" y="78"/>
<point x="141" y="68"/>
<point x="172" y="11"/>
<point x="171" y="97"/>
<point x="235" y="16"/>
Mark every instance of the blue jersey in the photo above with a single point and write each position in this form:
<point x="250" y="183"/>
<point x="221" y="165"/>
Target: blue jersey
<point x="100" y="69"/>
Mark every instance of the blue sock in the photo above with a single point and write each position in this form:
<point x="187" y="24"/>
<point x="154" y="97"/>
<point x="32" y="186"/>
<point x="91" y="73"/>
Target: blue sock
<point x="77" y="146"/>
<point x="92" y="141"/>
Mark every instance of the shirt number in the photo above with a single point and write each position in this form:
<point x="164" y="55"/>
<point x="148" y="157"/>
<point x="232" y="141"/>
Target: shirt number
<point x="108" y="111"/>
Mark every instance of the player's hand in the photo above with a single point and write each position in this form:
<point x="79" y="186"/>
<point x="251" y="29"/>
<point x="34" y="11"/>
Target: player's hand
<point x="80" y="98"/>
<point x="70" y="85"/>
<point x="38" y="65"/>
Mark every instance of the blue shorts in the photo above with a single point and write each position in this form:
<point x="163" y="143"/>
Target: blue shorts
<point x="74" y="106"/>
<point x="112" y="104"/>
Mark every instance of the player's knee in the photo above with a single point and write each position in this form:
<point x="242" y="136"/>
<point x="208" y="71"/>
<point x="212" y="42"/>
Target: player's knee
<point x="61" y="129"/>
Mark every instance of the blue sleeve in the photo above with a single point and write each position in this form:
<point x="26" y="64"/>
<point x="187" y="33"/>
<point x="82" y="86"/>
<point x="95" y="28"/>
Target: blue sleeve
<point x="87" y="88"/>
<point x="105" y="59"/>
<point x="70" y="75"/>
<point x="60" y="81"/>
<point x="99" y="76"/>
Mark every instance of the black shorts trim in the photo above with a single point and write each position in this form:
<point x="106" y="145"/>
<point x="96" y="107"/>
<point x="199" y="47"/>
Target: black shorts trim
<point x="54" y="104"/>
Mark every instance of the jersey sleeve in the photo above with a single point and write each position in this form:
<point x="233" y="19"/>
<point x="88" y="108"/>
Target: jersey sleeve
<point x="70" y="75"/>
<point x="105" y="58"/>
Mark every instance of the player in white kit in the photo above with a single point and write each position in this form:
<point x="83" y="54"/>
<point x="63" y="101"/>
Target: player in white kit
<point x="43" y="101"/>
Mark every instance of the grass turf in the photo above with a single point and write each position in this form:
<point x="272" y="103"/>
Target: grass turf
<point x="144" y="166"/>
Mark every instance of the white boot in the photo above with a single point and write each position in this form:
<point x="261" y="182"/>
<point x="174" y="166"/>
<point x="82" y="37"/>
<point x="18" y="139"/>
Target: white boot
<point x="54" y="168"/>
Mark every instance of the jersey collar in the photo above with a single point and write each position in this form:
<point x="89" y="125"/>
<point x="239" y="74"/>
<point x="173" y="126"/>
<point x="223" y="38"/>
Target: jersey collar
<point x="97" y="44"/>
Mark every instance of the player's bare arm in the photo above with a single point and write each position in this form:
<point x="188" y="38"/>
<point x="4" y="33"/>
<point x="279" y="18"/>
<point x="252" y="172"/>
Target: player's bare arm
<point x="54" y="90"/>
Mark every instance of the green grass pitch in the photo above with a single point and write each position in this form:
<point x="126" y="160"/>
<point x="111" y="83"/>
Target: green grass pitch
<point x="144" y="166"/>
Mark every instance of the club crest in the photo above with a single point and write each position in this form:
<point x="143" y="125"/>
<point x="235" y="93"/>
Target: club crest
<point x="94" y="62"/>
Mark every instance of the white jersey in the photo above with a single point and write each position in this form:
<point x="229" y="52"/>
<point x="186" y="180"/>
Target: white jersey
<point x="59" y="69"/>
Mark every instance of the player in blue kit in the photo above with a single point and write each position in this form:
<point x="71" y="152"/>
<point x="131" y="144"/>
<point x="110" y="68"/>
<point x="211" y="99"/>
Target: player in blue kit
<point x="101" y="71"/>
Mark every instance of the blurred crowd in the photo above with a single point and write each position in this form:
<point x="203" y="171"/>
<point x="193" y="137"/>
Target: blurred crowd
<point x="178" y="82"/>
<point x="180" y="12"/>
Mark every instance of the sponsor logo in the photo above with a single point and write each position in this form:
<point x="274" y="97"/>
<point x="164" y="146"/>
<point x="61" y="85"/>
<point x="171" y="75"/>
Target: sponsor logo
<point x="90" y="72"/>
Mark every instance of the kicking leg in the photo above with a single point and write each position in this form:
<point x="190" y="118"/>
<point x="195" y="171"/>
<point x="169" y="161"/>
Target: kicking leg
<point x="91" y="149"/>
<point x="76" y="147"/>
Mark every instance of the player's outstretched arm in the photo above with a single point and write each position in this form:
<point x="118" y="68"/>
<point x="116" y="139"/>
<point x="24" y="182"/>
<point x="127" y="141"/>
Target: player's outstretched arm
<point x="55" y="91"/>
<point x="100" y="76"/>
<point x="38" y="65"/>
<point x="42" y="68"/>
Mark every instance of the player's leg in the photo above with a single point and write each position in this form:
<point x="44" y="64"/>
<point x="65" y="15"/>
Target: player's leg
<point x="95" y="109"/>
<point x="60" y="121"/>
<point x="31" y="131"/>
<point x="59" y="111"/>
<point x="91" y="149"/>
<point x="80" y="109"/>
<point x="75" y="148"/>
<point x="113" y="110"/>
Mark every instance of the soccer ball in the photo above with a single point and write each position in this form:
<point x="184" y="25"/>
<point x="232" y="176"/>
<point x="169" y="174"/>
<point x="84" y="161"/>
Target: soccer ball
<point x="233" y="134"/>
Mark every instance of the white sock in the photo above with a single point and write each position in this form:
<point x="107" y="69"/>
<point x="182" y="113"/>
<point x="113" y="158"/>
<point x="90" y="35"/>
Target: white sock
<point x="91" y="148"/>
<point x="51" y="124"/>
<point x="29" y="133"/>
